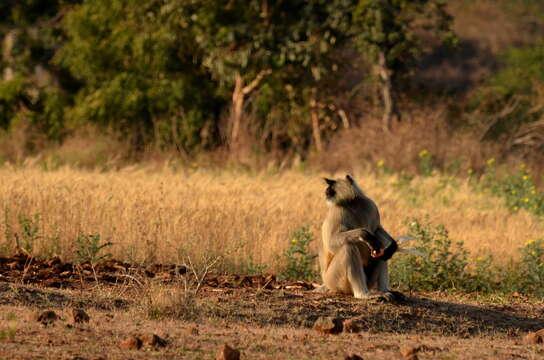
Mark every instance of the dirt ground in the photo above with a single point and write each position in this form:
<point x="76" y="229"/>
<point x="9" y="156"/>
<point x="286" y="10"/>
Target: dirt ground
<point x="258" y="315"/>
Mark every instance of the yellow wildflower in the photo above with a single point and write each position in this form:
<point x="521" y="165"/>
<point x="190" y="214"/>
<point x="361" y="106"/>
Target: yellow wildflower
<point x="423" y="153"/>
<point x="490" y="161"/>
<point x="525" y="177"/>
<point x="293" y="241"/>
<point x="380" y="163"/>
<point x="470" y="171"/>
<point x="530" y="242"/>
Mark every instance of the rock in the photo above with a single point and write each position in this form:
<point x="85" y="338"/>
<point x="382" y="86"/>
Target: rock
<point x="152" y="340"/>
<point x="47" y="317"/>
<point x="227" y="353"/>
<point x="131" y="343"/>
<point x="352" y="356"/>
<point x="534" y="337"/>
<point x="409" y="353"/>
<point x="328" y="325"/>
<point x="79" y="316"/>
<point x="351" y="327"/>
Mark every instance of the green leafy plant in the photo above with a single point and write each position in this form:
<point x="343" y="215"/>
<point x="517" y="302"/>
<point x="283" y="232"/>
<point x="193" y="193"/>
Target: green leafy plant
<point x="299" y="262"/>
<point x="253" y="268"/>
<point x="530" y="274"/>
<point x="88" y="249"/>
<point x="26" y="239"/>
<point x="518" y="189"/>
<point x="425" y="163"/>
<point x="442" y="267"/>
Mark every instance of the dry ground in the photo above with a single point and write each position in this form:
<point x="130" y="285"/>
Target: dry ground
<point x="258" y="315"/>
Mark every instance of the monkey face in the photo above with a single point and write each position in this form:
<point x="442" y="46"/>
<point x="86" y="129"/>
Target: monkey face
<point x="341" y="190"/>
<point x="330" y="192"/>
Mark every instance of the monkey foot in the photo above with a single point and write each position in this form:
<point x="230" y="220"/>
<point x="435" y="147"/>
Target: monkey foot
<point x="391" y="297"/>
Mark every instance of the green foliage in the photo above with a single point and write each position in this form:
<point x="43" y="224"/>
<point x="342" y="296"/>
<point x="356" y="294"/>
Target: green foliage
<point x="442" y="268"/>
<point x="394" y="28"/>
<point x="530" y="272"/>
<point x="445" y="267"/>
<point x="253" y="268"/>
<point x="32" y="86"/>
<point x="140" y="68"/>
<point x="514" y="95"/>
<point x="88" y="248"/>
<point x="425" y="163"/>
<point x="299" y="263"/>
<point x="8" y="333"/>
<point x="518" y="189"/>
<point x="28" y="236"/>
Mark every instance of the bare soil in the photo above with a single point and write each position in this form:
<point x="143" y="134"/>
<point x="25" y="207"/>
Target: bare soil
<point x="258" y="315"/>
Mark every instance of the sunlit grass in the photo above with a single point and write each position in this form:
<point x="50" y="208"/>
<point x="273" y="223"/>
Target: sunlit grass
<point x="159" y="216"/>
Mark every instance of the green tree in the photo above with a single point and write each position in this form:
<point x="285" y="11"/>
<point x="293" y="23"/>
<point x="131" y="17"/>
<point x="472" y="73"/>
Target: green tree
<point x="248" y="44"/>
<point x="142" y="72"/>
<point x="388" y="35"/>
<point x="513" y="99"/>
<point x="30" y="86"/>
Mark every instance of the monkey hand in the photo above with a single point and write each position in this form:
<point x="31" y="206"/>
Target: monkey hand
<point x="377" y="253"/>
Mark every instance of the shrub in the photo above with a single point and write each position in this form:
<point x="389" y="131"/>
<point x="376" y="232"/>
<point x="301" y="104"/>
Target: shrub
<point x="27" y="238"/>
<point x="518" y="189"/>
<point x="441" y="268"/>
<point x="299" y="262"/>
<point x="425" y="163"/>
<point x="530" y="274"/>
<point x="88" y="248"/>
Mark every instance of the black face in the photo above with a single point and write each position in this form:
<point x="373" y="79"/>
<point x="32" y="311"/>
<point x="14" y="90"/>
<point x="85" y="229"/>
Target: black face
<point x="330" y="192"/>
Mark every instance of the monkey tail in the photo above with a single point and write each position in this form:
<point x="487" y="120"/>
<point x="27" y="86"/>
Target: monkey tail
<point x="402" y="240"/>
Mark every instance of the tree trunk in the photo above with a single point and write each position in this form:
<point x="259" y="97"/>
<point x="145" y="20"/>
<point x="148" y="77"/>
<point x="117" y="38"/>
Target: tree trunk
<point x="238" y="97"/>
<point x="237" y="108"/>
<point x="390" y="107"/>
<point x="315" y="125"/>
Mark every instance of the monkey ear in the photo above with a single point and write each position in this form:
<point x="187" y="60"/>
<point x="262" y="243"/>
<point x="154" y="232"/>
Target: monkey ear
<point x="349" y="178"/>
<point x="329" y="181"/>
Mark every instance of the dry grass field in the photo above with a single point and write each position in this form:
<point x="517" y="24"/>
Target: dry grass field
<point x="155" y="215"/>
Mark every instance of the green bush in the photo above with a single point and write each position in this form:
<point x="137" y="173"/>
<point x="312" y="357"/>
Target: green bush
<point x="88" y="248"/>
<point x="443" y="267"/>
<point x="446" y="267"/>
<point x="518" y="189"/>
<point x="426" y="163"/>
<point x="28" y="236"/>
<point x="530" y="272"/>
<point x="299" y="262"/>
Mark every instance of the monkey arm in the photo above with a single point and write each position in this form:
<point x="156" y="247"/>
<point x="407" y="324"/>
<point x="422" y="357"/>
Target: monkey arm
<point x="339" y="239"/>
<point x="389" y="243"/>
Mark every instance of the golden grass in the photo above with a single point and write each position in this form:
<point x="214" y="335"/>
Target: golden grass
<point x="158" y="216"/>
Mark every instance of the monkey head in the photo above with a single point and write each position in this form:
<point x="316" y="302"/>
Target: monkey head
<point x="342" y="190"/>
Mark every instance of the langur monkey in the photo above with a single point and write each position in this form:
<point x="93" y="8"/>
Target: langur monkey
<point x="354" y="247"/>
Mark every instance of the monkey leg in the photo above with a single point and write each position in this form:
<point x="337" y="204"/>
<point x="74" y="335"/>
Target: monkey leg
<point x="379" y="279"/>
<point x="345" y="273"/>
